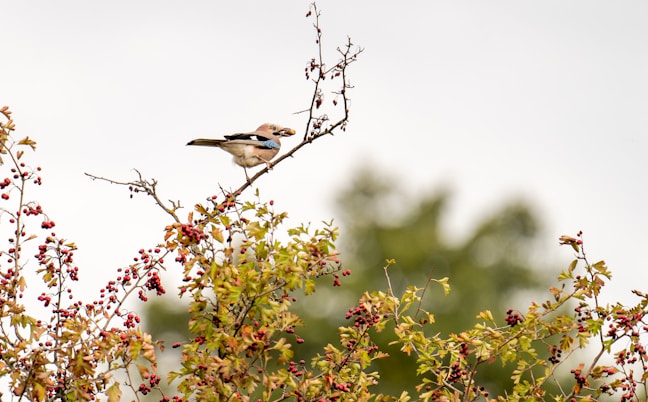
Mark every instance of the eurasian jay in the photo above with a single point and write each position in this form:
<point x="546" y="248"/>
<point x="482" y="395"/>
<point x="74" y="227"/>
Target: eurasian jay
<point x="250" y="149"/>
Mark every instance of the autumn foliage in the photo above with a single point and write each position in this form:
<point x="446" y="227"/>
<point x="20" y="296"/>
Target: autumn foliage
<point x="242" y="272"/>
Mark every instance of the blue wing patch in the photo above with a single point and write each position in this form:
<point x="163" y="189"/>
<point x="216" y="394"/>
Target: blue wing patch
<point x="271" y="144"/>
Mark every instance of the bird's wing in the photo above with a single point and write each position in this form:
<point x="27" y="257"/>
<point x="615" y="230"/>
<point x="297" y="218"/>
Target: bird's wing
<point x="241" y="136"/>
<point x="258" y="135"/>
<point x="260" y="144"/>
<point x="266" y="144"/>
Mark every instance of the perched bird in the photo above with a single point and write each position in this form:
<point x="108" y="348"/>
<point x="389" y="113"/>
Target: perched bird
<point x="250" y="149"/>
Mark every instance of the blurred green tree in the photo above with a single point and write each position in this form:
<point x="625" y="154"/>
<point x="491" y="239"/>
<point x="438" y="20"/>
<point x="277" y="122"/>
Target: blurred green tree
<point x="488" y="269"/>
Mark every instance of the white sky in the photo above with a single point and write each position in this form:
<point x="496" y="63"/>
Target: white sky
<point x="544" y="101"/>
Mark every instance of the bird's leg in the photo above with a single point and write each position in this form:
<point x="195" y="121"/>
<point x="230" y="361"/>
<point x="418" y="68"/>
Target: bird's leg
<point x="246" y="175"/>
<point x="267" y="162"/>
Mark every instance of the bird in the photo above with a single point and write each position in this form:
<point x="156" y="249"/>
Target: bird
<point x="252" y="148"/>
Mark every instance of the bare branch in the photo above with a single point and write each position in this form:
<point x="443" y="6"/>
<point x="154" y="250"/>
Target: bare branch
<point x="148" y="187"/>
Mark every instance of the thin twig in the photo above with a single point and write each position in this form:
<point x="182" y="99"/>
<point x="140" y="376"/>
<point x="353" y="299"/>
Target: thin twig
<point x="391" y="291"/>
<point x="147" y="186"/>
<point x="427" y="285"/>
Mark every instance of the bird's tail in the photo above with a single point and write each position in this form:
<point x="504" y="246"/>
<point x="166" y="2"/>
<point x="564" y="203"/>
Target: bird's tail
<point x="206" y="142"/>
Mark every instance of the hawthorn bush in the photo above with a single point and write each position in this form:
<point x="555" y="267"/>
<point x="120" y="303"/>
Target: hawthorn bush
<point x="242" y="273"/>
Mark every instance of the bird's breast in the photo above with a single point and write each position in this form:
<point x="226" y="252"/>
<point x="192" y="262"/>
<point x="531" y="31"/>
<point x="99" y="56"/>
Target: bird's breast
<point x="253" y="156"/>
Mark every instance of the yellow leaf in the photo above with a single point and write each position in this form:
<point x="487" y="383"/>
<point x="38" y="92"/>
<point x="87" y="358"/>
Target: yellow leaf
<point x="114" y="393"/>
<point x="143" y="370"/>
<point x="486" y="315"/>
<point x="255" y="230"/>
<point x="431" y="318"/>
<point x="28" y="141"/>
<point x="149" y="352"/>
<point x="444" y="283"/>
<point x="39" y="392"/>
<point x="600" y="266"/>
<point x="217" y="234"/>
<point x="22" y="284"/>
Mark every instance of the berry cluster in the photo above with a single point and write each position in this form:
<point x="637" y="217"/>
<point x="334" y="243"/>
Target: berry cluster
<point x="47" y="224"/>
<point x="154" y="283"/>
<point x="191" y="234"/>
<point x="556" y="354"/>
<point x="580" y="379"/>
<point x="295" y="369"/>
<point x="464" y="351"/>
<point x="6" y="182"/>
<point x="513" y="317"/>
<point x="457" y="372"/>
<point x="336" y="277"/>
<point x="626" y="323"/>
<point x="363" y="316"/>
<point x="153" y="381"/>
<point x="131" y="320"/>
<point x="31" y="210"/>
<point x="583" y="315"/>
<point x="174" y="399"/>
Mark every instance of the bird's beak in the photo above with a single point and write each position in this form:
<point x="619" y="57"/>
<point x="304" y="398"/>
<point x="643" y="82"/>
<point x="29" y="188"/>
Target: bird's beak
<point x="285" y="132"/>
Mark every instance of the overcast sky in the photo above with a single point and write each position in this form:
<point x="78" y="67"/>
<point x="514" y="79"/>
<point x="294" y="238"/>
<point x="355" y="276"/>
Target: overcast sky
<point x="543" y="101"/>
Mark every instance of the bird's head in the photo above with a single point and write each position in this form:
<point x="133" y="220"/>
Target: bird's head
<point x="276" y="129"/>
